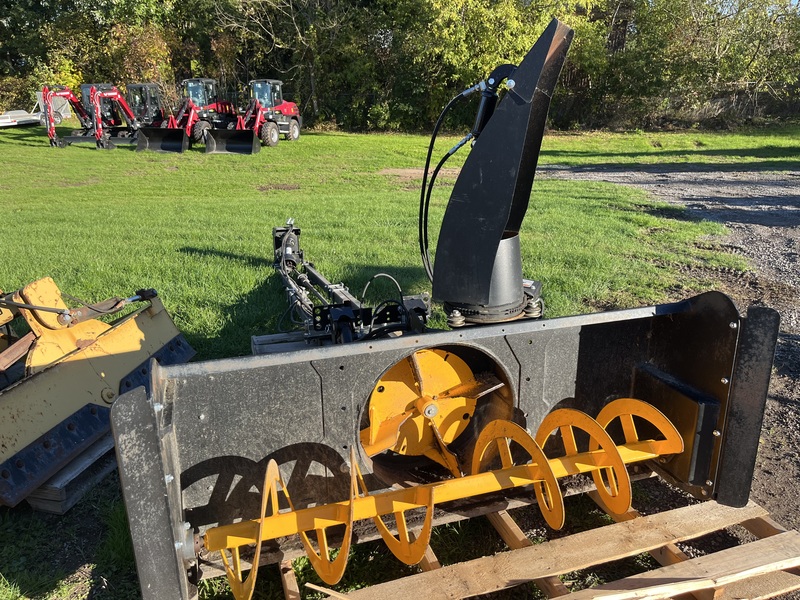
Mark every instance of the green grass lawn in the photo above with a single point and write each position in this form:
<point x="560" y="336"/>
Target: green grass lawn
<point x="198" y="229"/>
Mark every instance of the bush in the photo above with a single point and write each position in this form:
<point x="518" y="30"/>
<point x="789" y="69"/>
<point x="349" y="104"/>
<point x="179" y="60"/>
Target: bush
<point x="15" y="94"/>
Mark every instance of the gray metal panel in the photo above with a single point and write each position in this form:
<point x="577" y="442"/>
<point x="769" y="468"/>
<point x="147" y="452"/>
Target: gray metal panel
<point x="549" y="369"/>
<point x="161" y="573"/>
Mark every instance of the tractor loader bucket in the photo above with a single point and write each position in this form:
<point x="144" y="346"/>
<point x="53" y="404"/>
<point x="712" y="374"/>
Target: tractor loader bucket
<point x="232" y="141"/>
<point x="122" y="140"/>
<point x="59" y="381"/>
<point x="194" y="449"/>
<point x="162" y="139"/>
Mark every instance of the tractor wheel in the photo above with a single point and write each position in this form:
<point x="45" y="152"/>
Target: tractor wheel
<point x="269" y="134"/>
<point x="294" y="131"/>
<point x="200" y="131"/>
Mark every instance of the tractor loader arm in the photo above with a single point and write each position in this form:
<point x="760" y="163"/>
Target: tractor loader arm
<point x="175" y="132"/>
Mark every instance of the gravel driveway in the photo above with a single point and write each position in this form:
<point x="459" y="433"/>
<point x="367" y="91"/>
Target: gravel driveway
<point x="761" y="210"/>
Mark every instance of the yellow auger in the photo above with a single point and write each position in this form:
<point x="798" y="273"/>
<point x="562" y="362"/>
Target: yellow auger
<point x="604" y="460"/>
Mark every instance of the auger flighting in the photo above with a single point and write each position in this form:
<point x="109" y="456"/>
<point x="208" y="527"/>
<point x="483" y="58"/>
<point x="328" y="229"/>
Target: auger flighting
<point x="604" y="460"/>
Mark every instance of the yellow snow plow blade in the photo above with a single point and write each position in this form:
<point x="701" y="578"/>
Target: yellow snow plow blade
<point x="59" y="380"/>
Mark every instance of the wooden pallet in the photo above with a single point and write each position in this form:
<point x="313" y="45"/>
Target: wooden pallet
<point x="761" y="569"/>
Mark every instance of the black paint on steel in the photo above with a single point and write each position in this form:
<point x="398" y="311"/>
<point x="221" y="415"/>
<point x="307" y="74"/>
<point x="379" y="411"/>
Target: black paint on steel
<point x="41" y="459"/>
<point x="143" y="476"/>
<point x="232" y="141"/>
<point x="749" y="386"/>
<point x="122" y="139"/>
<point x="162" y="139"/>
<point x="695" y="415"/>
<point x="174" y="352"/>
<point x="491" y="195"/>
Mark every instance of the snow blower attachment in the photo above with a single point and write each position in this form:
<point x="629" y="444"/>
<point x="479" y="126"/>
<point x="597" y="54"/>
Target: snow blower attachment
<point x="221" y="461"/>
<point x="57" y="381"/>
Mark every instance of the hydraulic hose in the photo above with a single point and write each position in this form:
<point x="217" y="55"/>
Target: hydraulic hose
<point x="423" y="198"/>
<point x="488" y="89"/>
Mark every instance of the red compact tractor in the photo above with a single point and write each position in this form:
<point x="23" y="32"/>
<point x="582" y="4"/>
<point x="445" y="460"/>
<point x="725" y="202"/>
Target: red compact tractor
<point x="267" y="116"/>
<point x="201" y="111"/>
<point x="145" y="102"/>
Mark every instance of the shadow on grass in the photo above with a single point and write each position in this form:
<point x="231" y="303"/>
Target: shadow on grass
<point x="264" y="308"/>
<point x="673" y="167"/>
<point x="85" y="553"/>
<point x="675" y="213"/>
<point x="30" y="136"/>
<point x="771" y="157"/>
<point x="770" y="201"/>
<point x="36" y="135"/>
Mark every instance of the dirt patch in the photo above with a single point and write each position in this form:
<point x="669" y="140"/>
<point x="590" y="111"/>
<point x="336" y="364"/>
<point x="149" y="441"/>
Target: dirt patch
<point x="277" y="186"/>
<point x="761" y="210"/>
<point x="415" y="175"/>
<point x="75" y="184"/>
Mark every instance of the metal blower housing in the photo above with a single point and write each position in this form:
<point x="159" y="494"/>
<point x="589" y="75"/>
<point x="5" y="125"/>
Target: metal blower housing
<point x="478" y="266"/>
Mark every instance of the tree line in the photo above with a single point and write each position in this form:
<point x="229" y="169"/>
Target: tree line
<point x="393" y="64"/>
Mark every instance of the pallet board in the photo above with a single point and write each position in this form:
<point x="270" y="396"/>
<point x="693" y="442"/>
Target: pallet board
<point x="761" y="569"/>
